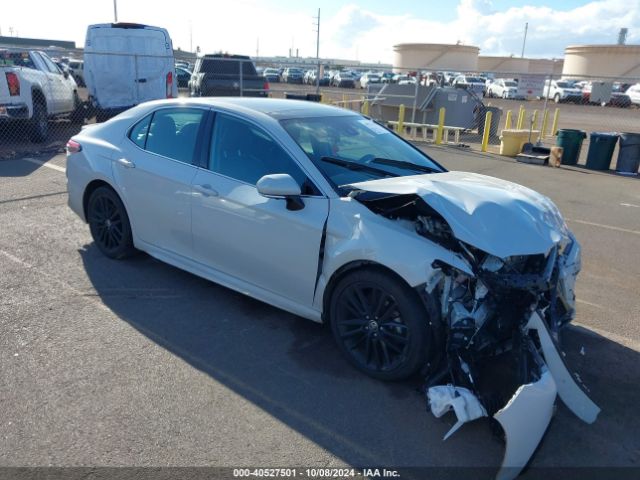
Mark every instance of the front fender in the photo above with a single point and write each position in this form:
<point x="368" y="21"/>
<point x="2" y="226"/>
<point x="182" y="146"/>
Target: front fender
<point x="355" y="234"/>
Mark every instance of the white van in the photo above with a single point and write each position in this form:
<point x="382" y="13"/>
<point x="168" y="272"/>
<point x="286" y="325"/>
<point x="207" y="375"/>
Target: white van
<point x="126" y="64"/>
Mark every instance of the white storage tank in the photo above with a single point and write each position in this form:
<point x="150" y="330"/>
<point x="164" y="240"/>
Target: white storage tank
<point x="618" y="61"/>
<point x="546" y="66"/>
<point x="506" y="65"/>
<point x="434" y="56"/>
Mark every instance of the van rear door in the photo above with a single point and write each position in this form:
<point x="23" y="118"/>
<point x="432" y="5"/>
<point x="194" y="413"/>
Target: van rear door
<point x="127" y="64"/>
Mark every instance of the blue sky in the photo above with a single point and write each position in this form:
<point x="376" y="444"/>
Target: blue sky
<point x="356" y="29"/>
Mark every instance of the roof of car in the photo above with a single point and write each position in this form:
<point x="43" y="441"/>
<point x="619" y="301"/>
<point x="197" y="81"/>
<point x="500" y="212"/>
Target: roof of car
<point x="273" y="107"/>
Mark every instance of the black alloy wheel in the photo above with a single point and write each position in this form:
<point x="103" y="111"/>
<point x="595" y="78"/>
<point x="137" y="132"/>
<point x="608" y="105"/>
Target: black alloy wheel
<point x="379" y="324"/>
<point x="109" y="224"/>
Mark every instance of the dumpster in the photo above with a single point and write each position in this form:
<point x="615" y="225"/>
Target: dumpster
<point x="496" y="115"/>
<point x="312" y="97"/>
<point x="629" y="153"/>
<point x="571" y="142"/>
<point x="512" y="141"/>
<point x="601" y="146"/>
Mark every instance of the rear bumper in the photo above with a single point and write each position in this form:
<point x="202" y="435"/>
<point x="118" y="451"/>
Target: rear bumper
<point x="14" y="111"/>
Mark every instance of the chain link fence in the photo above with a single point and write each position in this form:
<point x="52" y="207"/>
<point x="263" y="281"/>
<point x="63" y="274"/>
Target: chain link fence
<point x="43" y="102"/>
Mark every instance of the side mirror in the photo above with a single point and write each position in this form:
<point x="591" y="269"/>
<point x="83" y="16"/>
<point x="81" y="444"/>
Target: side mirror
<point x="281" y="185"/>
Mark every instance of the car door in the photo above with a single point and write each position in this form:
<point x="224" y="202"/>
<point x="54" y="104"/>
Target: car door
<point x="243" y="234"/>
<point x="62" y="94"/>
<point x="155" y="171"/>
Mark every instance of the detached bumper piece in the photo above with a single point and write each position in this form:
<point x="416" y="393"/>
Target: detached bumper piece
<point x="526" y="416"/>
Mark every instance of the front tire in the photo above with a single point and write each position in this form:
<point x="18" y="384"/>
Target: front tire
<point x="380" y="324"/>
<point x="556" y="98"/>
<point x="109" y="224"/>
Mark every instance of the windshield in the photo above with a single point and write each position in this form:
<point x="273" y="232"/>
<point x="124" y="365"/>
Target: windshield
<point x="474" y="80"/>
<point x="564" y="84"/>
<point x="510" y="84"/>
<point x="353" y="149"/>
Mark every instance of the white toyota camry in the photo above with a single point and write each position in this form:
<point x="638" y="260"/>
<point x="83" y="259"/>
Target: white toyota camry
<point x="327" y="214"/>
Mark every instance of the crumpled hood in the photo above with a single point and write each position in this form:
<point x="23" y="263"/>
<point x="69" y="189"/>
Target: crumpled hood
<point x="499" y="217"/>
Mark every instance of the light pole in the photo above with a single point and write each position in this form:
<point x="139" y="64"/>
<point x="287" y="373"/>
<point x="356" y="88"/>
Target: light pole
<point x="524" y="40"/>
<point x="318" y="52"/>
<point x="115" y="10"/>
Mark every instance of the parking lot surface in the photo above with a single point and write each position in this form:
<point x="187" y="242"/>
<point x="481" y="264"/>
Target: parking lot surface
<point x="136" y="363"/>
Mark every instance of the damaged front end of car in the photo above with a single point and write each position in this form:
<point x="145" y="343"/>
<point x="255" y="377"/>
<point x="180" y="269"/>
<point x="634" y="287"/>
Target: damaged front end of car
<point x="498" y="322"/>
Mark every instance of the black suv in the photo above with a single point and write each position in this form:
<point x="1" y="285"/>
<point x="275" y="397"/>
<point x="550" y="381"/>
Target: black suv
<point x="223" y="75"/>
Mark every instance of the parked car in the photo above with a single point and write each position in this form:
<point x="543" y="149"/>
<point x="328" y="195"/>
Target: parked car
<point x="561" y="91"/>
<point x="330" y="216"/>
<point x="344" y="80"/>
<point x="292" y="75"/>
<point x="33" y="90"/>
<point x="183" y="76"/>
<point x="386" y="77"/>
<point x="617" y="99"/>
<point x="402" y="79"/>
<point x="449" y="77"/>
<point x="473" y="84"/>
<point x="126" y="64"/>
<point x="325" y="80"/>
<point x="432" y="79"/>
<point x="369" y="78"/>
<point x="77" y="70"/>
<point x="503" y="88"/>
<point x="218" y="75"/>
<point x="271" y="75"/>
<point x="633" y="92"/>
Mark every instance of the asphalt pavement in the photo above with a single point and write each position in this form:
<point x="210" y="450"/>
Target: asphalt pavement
<point x="136" y="363"/>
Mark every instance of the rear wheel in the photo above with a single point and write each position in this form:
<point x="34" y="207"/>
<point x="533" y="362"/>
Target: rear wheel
<point x="380" y="324"/>
<point x="79" y="112"/>
<point x="109" y="223"/>
<point x="39" y="128"/>
<point x="556" y="98"/>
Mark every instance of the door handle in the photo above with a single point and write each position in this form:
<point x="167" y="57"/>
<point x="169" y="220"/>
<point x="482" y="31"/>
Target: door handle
<point x="205" y="190"/>
<point x="126" y="163"/>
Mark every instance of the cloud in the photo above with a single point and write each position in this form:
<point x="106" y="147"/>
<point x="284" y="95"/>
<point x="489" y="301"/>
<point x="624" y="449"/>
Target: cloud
<point x="477" y="23"/>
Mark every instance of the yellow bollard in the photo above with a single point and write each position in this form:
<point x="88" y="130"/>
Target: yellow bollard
<point x="344" y="100"/>
<point x="543" y="130"/>
<point x="534" y="120"/>
<point x="521" y="115"/>
<point x="507" y="122"/>
<point x="487" y="128"/>
<point x="554" y="127"/>
<point x="440" y="125"/>
<point x="365" y="108"/>
<point x="401" y="120"/>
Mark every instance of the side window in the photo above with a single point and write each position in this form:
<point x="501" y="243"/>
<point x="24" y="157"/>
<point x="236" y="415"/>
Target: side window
<point x="173" y="133"/>
<point x="52" y="67"/>
<point x="138" y="134"/>
<point x="244" y="152"/>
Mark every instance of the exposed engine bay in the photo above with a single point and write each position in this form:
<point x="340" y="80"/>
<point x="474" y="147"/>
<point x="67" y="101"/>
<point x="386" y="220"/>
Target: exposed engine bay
<point x="497" y="327"/>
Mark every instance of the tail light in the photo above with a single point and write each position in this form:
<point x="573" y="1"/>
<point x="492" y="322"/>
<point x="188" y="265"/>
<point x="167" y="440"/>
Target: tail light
<point x="73" y="147"/>
<point x="266" y="87"/>
<point x="170" y="85"/>
<point x="13" y="82"/>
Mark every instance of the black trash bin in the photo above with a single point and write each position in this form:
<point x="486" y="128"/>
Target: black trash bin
<point x="496" y="115"/>
<point x="601" y="146"/>
<point x="628" y="153"/>
<point x="571" y="142"/>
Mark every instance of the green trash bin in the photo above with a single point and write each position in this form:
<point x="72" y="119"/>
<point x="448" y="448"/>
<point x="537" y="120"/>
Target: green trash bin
<point x="601" y="146"/>
<point x="571" y="142"/>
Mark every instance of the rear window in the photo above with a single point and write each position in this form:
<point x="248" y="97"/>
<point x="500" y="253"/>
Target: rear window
<point x="227" y="66"/>
<point x="16" y="59"/>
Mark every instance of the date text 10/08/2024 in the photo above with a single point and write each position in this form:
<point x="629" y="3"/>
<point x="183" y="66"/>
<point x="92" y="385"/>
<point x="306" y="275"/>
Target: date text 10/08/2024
<point x="317" y="473"/>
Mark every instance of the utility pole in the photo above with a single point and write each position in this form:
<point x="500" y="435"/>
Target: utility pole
<point x="317" y="25"/>
<point x="526" y="27"/>
<point x="115" y="11"/>
<point x="190" y="36"/>
<point x="257" y="47"/>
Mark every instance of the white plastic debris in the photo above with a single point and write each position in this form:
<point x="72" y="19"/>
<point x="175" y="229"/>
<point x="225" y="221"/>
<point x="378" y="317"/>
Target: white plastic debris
<point x="467" y="407"/>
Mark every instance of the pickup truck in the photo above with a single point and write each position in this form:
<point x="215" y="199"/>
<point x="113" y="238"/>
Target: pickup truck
<point x="33" y="89"/>
<point x="218" y="75"/>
